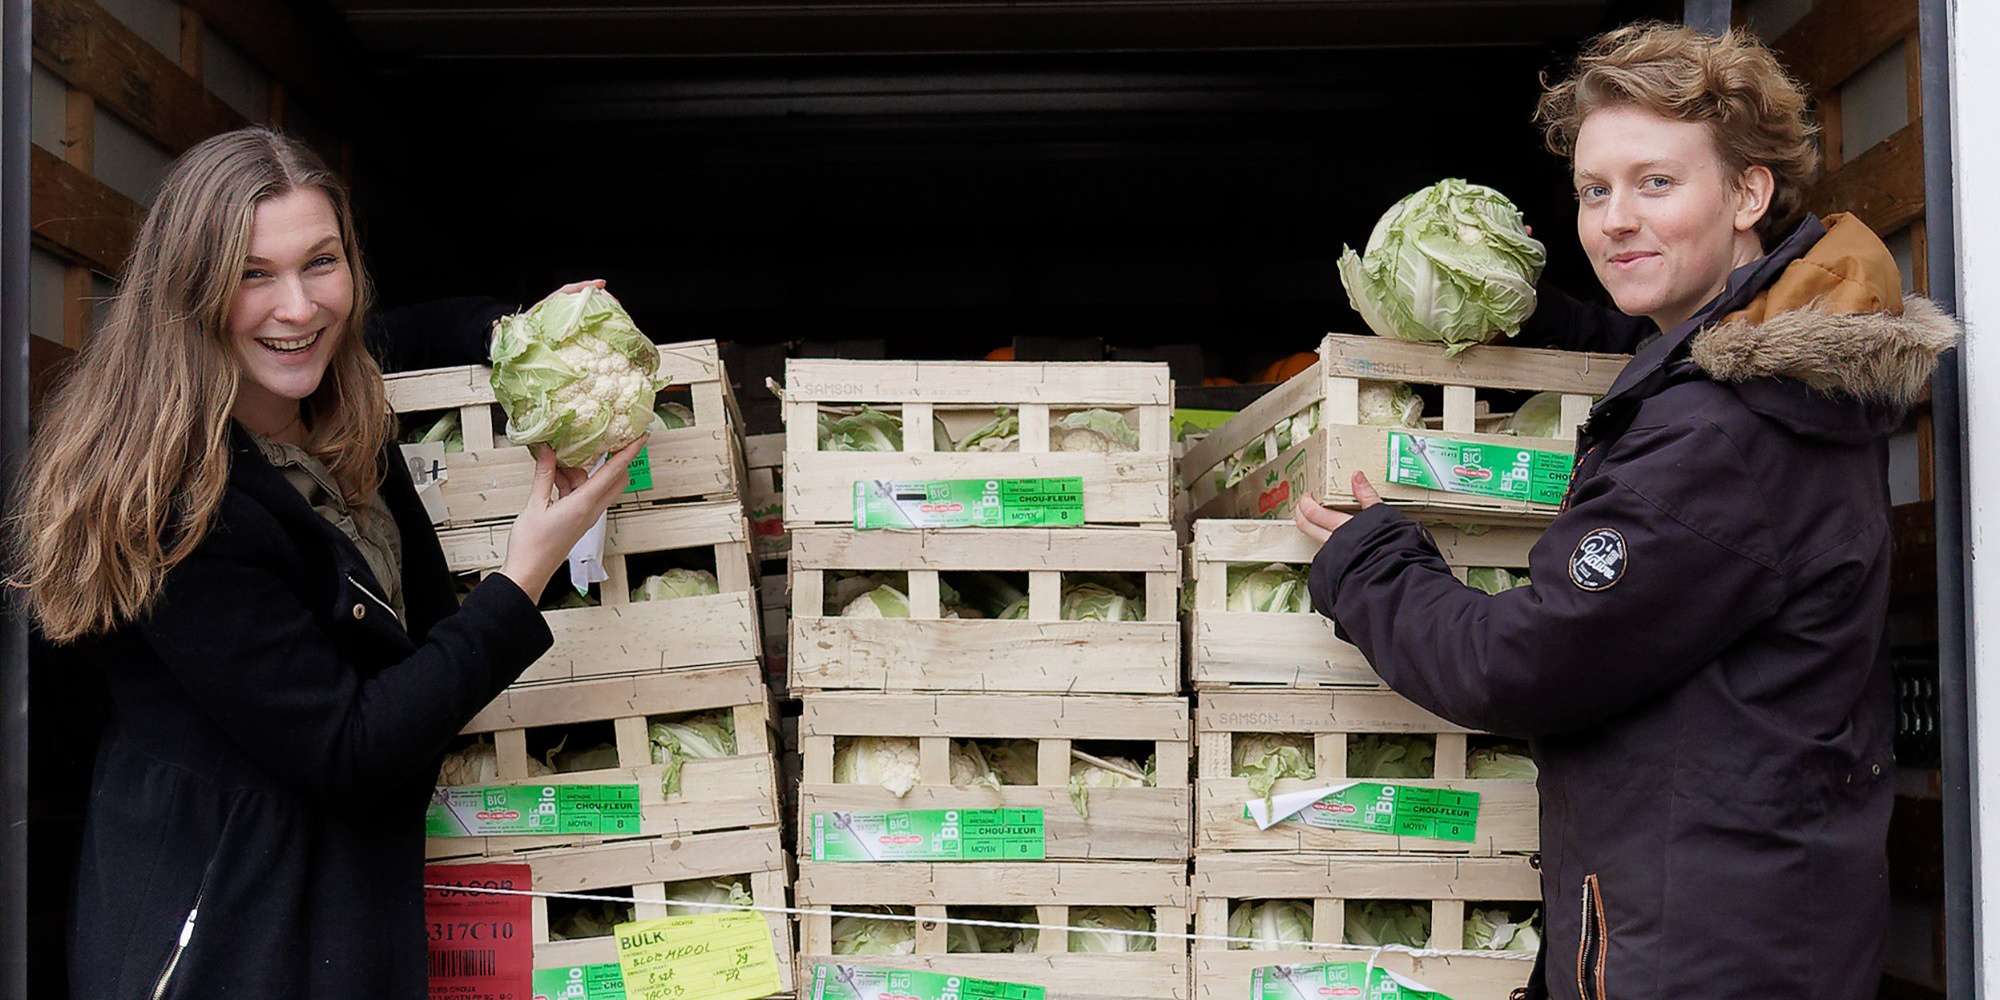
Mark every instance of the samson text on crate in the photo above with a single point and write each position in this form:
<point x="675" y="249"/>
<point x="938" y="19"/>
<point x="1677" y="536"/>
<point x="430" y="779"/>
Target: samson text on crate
<point x="929" y="652"/>
<point x="1137" y="823"/>
<point x="623" y="637"/>
<point x="1441" y="887"/>
<point x="1119" y="487"/>
<point x="1322" y="463"/>
<point x="1254" y="649"/>
<point x="489" y="479"/>
<point x="1507" y="821"/>
<point x="1050" y="892"/>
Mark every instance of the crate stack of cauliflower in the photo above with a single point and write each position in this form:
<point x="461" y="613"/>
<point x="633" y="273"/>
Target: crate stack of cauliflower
<point x="653" y="697"/>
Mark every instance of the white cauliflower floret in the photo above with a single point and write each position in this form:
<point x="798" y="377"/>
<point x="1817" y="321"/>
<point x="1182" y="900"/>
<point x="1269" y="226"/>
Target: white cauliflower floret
<point x="574" y="373"/>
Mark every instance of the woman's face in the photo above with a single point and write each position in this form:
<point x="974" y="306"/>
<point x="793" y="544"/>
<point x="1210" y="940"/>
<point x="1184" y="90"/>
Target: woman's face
<point x="289" y="313"/>
<point x="1660" y="214"/>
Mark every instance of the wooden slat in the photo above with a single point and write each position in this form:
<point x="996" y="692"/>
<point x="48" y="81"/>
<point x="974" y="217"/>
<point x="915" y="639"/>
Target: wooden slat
<point x="1883" y="186"/>
<point x="1084" y="717"/>
<point x="1839" y="37"/>
<point x="981" y="383"/>
<point x="1107" y="550"/>
<point x="88" y="47"/>
<point x="78" y="216"/>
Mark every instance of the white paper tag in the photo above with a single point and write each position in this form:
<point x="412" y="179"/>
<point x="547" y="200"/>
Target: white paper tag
<point x="427" y="471"/>
<point x="1290" y="803"/>
<point x="586" y="557"/>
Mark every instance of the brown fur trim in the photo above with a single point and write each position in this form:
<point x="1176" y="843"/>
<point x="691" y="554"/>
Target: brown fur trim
<point x="1865" y="355"/>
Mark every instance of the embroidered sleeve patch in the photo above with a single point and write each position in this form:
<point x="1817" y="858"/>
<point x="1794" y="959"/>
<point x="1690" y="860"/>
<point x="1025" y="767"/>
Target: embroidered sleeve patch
<point x="1599" y="560"/>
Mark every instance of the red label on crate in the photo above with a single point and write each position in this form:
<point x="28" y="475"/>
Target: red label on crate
<point x="481" y="947"/>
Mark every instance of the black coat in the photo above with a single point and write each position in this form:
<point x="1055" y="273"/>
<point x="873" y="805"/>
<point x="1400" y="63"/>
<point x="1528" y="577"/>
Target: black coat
<point x="274" y="739"/>
<point x="1700" y="659"/>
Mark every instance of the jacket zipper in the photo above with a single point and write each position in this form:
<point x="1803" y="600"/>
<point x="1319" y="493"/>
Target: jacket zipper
<point x="1592" y="943"/>
<point x="180" y="946"/>
<point x="371" y="595"/>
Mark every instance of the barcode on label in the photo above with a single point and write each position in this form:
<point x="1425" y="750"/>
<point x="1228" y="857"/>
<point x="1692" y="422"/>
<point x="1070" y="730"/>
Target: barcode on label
<point x="456" y="964"/>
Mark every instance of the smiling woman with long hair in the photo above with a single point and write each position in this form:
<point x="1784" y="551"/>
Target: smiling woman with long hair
<point x="213" y="516"/>
<point x="1700" y="657"/>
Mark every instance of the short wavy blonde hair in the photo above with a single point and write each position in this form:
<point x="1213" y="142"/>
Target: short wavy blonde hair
<point x="1732" y="83"/>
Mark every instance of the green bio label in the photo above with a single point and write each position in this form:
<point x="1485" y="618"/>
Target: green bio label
<point x="1334" y="979"/>
<point x="851" y="982"/>
<point x="1488" y="470"/>
<point x="580" y="982"/>
<point x="968" y="503"/>
<point x="510" y="810"/>
<point x="641" y="471"/>
<point x="930" y="835"/>
<point x="1395" y="810"/>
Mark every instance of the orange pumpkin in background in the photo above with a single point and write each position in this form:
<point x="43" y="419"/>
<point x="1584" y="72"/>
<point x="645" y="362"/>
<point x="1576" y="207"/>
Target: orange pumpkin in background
<point x="1001" y="353"/>
<point x="1287" y="367"/>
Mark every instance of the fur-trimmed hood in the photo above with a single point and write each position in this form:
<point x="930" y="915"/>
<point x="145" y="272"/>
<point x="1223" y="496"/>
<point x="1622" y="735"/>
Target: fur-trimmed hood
<point x="1871" y="356"/>
<point x="1831" y="348"/>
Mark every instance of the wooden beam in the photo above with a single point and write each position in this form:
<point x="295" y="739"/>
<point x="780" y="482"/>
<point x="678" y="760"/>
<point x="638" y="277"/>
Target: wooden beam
<point x="77" y="215"/>
<point x="82" y="43"/>
<point x="316" y="60"/>
<point x="79" y="151"/>
<point x="1839" y="37"/>
<point x="191" y="42"/>
<point x="1883" y="186"/>
<point x="47" y="360"/>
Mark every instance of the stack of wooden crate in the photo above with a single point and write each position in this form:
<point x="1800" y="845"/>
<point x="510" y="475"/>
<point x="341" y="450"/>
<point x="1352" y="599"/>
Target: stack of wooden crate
<point x="618" y="664"/>
<point x="930" y="681"/>
<point x="1263" y="674"/>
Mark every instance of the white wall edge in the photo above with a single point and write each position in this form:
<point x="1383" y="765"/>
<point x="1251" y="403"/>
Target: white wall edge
<point x="1975" y="91"/>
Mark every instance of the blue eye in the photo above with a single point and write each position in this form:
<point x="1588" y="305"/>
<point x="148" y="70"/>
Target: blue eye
<point x="324" y="260"/>
<point x="1649" y="181"/>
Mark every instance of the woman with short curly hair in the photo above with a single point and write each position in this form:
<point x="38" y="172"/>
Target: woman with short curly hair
<point x="1699" y="659"/>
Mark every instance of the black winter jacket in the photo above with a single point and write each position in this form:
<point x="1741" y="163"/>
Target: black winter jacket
<point x="1700" y="658"/>
<point x="255" y="826"/>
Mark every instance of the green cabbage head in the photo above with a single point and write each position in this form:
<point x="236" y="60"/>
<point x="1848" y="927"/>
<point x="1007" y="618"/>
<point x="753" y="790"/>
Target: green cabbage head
<point x="675" y="584"/>
<point x="1275" y="924"/>
<point x="575" y="373"/>
<point x="1451" y="264"/>
<point x="1278" y="587"/>
<point x="1264" y="758"/>
<point x="1376" y="922"/>
<point x="697" y="736"/>
<point x="1540" y="416"/>
<point x="1101" y="925"/>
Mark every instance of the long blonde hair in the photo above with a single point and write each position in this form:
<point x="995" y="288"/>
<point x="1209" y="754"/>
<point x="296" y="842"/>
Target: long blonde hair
<point x="132" y="454"/>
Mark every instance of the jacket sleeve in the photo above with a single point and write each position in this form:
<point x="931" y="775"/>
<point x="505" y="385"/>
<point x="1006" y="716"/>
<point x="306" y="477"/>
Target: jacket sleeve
<point x="1565" y="323"/>
<point x="252" y="657"/>
<point x="437" y="334"/>
<point x="1691" y="574"/>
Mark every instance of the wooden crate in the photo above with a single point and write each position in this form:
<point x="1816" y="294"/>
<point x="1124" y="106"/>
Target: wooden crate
<point x="646" y="866"/>
<point x="764" y="494"/>
<point x="1052" y="888"/>
<point x="1324" y="462"/>
<point x="1237" y="649"/>
<point x="1124" y="823"/>
<point x="775" y="616"/>
<point x="926" y="652"/>
<point x="1508" y="820"/>
<point x="623" y="638"/>
<point x="739" y="791"/>
<point x="489" y="481"/>
<point x="1329" y="880"/>
<point x="1119" y="488"/>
